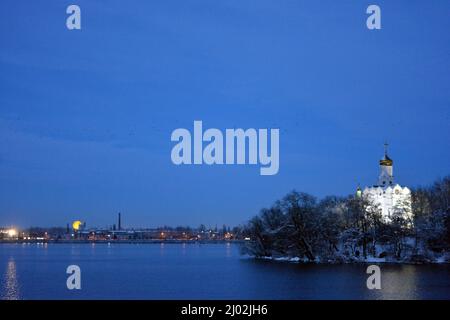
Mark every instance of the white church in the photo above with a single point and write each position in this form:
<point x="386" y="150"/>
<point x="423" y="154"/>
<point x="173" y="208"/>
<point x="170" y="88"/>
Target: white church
<point x="388" y="195"/>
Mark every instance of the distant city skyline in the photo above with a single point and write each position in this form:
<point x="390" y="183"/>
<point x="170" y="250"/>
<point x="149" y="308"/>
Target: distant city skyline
<point x="86" y="116"/>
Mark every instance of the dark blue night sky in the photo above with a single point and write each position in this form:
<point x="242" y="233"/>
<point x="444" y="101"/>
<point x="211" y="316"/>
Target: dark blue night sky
<point x="86" y="115"/>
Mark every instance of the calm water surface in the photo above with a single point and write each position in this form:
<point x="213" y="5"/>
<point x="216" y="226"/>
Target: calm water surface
<point x="198" y="271"/>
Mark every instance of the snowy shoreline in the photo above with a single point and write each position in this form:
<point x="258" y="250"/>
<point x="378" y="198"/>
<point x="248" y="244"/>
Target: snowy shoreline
<point x="444" y="259"/>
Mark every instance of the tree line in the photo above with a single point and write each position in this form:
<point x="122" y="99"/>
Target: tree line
<point x="343" y="229"/>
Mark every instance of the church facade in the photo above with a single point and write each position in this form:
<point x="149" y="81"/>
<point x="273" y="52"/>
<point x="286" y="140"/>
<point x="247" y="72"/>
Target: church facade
<point x="389" y="196"/>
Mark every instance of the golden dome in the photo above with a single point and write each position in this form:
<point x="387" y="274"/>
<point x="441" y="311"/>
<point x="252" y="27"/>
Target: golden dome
<point x="386" y="161"/>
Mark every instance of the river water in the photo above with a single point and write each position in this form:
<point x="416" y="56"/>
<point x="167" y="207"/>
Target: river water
<point x="199" y="271"/>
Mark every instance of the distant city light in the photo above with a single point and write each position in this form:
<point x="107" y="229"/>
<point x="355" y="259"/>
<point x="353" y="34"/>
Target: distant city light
<point x="76" y="231"/>
<point x="12" y="233"/>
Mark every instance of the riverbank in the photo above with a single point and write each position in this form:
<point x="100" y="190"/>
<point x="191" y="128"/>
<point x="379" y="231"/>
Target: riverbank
<point x="152" y="241"/>
<point x="414" y="260"/>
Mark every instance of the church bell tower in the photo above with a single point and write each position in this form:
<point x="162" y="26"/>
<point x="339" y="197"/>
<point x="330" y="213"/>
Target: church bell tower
<point x="386" y="177"/>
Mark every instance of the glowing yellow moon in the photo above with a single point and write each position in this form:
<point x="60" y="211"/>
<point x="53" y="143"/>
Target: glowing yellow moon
<point x="76" y="225"/>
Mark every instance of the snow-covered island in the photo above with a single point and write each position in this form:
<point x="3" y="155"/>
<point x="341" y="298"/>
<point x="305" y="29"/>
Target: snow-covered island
<point x="384" y="223"/>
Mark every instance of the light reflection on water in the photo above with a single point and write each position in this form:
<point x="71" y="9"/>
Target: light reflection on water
<point x="393" y="285"/>
<point x="228" y="252"/>
<point x="11" y="291"/>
